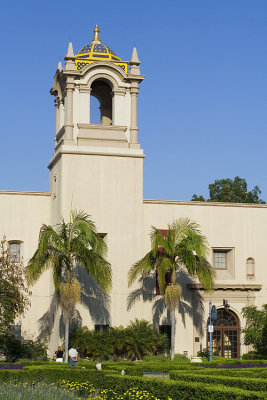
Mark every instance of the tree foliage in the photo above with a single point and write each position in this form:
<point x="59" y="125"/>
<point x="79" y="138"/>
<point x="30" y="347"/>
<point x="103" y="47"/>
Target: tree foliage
<point x="181" y="246"/>
<point x="255" y="331"/>
<point x="14" y="295"/>
<point x="63" y="248"/>
<point x="231" y="191"/>
<point x="135" y="341"/>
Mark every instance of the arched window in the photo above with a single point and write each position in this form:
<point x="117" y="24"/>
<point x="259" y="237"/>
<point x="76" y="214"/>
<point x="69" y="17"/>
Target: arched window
<point x="95" y="116"/>
<point x="250" y="268"/>
<point x="102" y="91"/>
<point x="226" y="335"/>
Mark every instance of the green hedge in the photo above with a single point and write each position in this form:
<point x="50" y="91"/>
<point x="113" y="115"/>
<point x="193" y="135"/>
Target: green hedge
<point x="162" y="389"/>
<point x="164" y="367"/>
<point x="246" y="372"/>
<point x="48" y="375"/>
<point x="255" y="384"/>
<point x="228" y="361"/>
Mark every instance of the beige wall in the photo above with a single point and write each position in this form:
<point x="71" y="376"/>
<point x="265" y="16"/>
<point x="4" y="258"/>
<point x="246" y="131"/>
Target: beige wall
<point x="241" y="227"/>
<point x="21" y="216"/>
<point x="110" y="189"/>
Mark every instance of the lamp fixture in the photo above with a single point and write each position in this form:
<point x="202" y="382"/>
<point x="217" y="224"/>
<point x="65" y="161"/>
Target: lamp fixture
<point x="226" y="305"/>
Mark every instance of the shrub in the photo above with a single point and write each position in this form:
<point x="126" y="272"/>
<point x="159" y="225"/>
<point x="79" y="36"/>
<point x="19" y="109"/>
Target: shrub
<point x="14" y="349"/>
<point x="203" y="353"/>
<point x="136" y="341"/>
<point x="178" y="358"/>
<point x="252" y="355"/>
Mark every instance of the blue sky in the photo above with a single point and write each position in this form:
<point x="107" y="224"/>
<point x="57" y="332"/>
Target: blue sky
<point x="202" y="108"/>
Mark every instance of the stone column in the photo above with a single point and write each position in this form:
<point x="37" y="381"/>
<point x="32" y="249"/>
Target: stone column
<point x="68" y="139"/>
<point x="84" y="105"/>
<point x="134" y="128"/>
<point x="57" y="105"/>
<point x="61" y="114"/>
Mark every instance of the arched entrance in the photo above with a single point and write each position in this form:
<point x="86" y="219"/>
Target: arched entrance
<point x="226" y="335"/>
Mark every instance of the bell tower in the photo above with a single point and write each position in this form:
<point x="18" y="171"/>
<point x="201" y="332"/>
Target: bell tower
<point x="98" y="168"/>
<point x="95" y="71"/>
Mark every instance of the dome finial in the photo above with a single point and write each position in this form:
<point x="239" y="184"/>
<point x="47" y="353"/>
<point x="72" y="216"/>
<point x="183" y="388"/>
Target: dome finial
<point x="96" y="37"/>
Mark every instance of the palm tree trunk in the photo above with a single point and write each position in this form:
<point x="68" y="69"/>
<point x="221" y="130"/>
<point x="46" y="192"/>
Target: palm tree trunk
<point x="172" y="332"/>
<point x="67" y="339"/>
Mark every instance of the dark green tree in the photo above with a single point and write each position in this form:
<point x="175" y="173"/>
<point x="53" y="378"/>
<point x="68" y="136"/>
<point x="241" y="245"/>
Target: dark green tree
<point x="231" y="191"/>
<point x="142" y="339"/>
<point x="14" y="295"/>
<point x="255" y="331"/>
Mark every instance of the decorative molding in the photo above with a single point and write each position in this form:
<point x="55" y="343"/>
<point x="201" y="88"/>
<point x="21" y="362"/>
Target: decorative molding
<point x="203" y="204"/>
<point x="134" y="153"/>
<point x="228" y="287"/>
<point x="100" y="127"/>
<point x="60" y="133"/>
<point x="106" y="65"/>
<point x="23" y="193"/>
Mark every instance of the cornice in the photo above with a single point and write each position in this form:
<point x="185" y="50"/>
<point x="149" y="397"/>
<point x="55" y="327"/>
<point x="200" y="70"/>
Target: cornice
<point x="100" y="127"/>
<point x="23" y="193"/>
<point x="228" y="287"/>
<point x="79" y="150"/>
<point x="204" y="204"/>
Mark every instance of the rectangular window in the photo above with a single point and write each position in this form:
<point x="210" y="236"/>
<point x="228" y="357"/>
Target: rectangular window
<point x="166" y="330"/>
<point x="101" y="328"/>
<point x="15" y="331"/>
<point x="220" y="259"/>
<point x="14" y="251"/>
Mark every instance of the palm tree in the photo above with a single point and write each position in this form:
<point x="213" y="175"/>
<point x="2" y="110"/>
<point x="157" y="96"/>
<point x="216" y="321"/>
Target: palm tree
<point x="182" y="246"/>
<point x="64" y="247"/>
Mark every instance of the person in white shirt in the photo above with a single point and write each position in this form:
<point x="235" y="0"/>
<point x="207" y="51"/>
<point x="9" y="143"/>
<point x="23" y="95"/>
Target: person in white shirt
<point x="73" y="354"/>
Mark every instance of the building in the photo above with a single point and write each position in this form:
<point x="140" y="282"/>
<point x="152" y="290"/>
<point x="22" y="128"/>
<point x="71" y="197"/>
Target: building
<point x="98" y="168"/>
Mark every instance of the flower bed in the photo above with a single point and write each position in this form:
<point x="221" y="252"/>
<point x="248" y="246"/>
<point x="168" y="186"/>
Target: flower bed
<point x="230" y="366"/>
<point x="12" y="366"/>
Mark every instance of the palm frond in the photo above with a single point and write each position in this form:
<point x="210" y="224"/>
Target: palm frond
<point x="35" y="268"/>
<point x="205" y="273"/>
<point x="141" y="267"/>
<point x="163" y="265"/>
<point x="97" y="267"/>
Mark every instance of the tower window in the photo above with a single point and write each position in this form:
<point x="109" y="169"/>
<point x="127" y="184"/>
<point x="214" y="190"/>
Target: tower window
<point x="102" y="91"/>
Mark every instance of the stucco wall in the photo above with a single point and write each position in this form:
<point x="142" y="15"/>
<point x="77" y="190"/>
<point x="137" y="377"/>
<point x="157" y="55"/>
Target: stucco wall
<point x="241" y="227"/>
<point x="21" y="216"/>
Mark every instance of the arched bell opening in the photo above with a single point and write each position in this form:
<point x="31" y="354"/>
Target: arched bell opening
<point x="102" y="91"/>
<point x="226" y="334"/>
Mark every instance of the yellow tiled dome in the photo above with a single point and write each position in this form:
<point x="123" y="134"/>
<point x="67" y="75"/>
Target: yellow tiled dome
<point x="95" y="51"/>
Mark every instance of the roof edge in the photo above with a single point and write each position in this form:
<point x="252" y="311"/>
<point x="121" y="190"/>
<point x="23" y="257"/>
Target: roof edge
<point x="204" y="203"/>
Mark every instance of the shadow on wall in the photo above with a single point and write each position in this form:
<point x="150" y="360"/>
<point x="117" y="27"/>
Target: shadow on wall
<point x="46" y="322"/>
<point x="92" y="297"/>
<point x="191" y="302"/>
